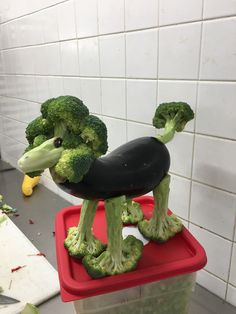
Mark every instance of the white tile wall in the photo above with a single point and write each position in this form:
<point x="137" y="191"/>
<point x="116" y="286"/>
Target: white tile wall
<point x="122" y="58"/>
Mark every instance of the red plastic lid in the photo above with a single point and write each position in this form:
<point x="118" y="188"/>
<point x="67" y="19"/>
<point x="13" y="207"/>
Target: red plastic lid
<point x="180" y="255"/>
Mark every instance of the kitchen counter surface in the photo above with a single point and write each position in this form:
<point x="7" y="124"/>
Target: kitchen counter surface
<point x="42" y="208"/>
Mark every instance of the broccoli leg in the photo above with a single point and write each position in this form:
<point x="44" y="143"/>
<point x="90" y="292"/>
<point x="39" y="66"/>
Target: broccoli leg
<point x="132" y="212"/>
<point x="80" y="240"/>
<point x="161" y="227"/>
<point x="121" y="255"/>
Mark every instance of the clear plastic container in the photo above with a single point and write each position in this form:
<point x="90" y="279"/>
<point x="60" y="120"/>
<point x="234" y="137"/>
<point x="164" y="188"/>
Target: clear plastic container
<point x="169" y="296"/>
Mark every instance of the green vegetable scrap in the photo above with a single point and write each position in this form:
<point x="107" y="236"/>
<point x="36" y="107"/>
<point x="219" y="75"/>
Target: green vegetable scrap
<point x="65" y="139"/>
<point x="30" y="309"/>
<point x="5" y="208"/>
<point x="131" y="212"/>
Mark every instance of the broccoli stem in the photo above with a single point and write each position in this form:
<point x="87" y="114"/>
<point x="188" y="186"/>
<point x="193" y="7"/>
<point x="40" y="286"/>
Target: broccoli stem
<point x="60" y="129"/>
<point x="88" y="211"/>
<point x="169" y="132"/>
<point x="161" y="226"/>
<point x="80" y="240"/>
<point x="113" y="208"/>
<point x="131" y="212"/>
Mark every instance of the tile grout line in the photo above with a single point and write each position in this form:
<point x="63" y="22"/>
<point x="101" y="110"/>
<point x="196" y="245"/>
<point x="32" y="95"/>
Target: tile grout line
<point x="195" y="115"/>
<point x="123" y="77"/>
<point x="116" y="33"/>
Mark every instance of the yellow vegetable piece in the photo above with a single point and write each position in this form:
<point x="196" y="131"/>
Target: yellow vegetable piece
<point x="28" y="184"/>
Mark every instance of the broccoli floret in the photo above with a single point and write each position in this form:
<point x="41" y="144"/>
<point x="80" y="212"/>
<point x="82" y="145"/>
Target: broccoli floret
<point x="67" y="111"/>
<point x="71" y="140"/>
<point x="80" y="240"/>
<point x="173" y="117"/>
<point x="131" y="212"/>
<point x="74" y="163"/>
<point x="44" y="107"/>
<point x="38" y="126"/>
<point x="161" y="227"/>
<point x="121" y="255"/>
<point x="94" y="133"/>
<point x="38" y="140"/>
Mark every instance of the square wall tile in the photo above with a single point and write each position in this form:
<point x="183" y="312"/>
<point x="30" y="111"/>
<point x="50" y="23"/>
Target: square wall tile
<point x="181" y="148"/>
<point x="141" y="14"/>
<point x="232" y="277"/>
<point x="66" y="20"/>
<point x="231" y="295"/>
<point x="214" y="162"/>
<point x="113" y="98"/>
<point x="215" y="247"/>
<point x="116" y="131"/>
<point x="172" y="12"/>
<point x="52" y="59"/>
<point x="218" y="60"/>
<point x="86" y="18"/>
<point x="219" y="8"/>
<point x="185" y="91"/>
<point x="91" y="94"/>
<point x="110" y="16"/>
<point x="69" y="58"/>
<point x="42" y="88"/>
<point x="55" y="85"/>
<point x="216" y="100"/>
<point x="211" y="283"/>
<point x="88" y="57"/>
<point x="26" y="87"/>
<point x="137" y="130"/>
<point x="112" y="55"/>
<point x="179" y="49"/>
<point x="50" y="25"/>
<point x="141" y="100"/>
<point x="213" y="209"/>
<point x="14" y="129"/>
<point x="141" y="54"/>
<point x="39" y="57"/>
<point x="179" y="196"/>
<point x="72" y="86"/>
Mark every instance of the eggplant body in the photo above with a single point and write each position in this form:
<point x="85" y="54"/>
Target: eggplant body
<point x="132" y="169"/>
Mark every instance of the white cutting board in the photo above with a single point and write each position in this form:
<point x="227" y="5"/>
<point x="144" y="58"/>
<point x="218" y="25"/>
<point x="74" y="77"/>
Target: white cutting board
<point x="36" y="282"/>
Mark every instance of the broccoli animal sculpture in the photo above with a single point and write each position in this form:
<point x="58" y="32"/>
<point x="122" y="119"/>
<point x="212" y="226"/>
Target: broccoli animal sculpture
<point x="69" y="141"/>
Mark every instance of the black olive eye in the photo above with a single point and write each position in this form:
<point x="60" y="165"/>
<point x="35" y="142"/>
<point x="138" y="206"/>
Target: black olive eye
<point x="57" y="142"/>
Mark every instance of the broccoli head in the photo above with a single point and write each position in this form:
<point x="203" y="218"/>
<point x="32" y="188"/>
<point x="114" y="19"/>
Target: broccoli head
<point x="74" y="163"/>
<point x="80" y="240"/>
<point x="173" y="117"/>
<point x="121" y="255"/>
<point x="80" y="138"/>
<point x="94" y="133"/>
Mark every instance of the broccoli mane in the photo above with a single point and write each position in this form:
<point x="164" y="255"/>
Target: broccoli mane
<point x="44" y="107"/>
<point x="38" y="126"/>
<point x="74" y="163"/>
<point x="94" y="133"/>
<point x="173" y="117"/>
<point x="67" y="111"/>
